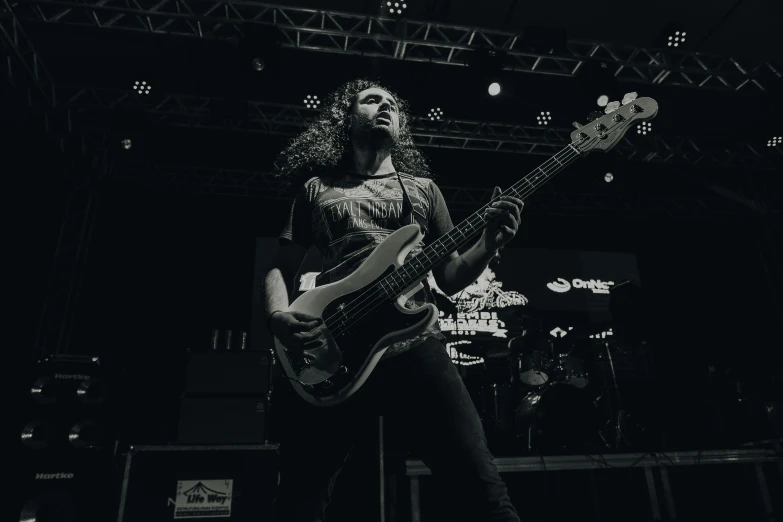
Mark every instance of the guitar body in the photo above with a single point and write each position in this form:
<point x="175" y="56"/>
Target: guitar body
<point x="346" y="357"/>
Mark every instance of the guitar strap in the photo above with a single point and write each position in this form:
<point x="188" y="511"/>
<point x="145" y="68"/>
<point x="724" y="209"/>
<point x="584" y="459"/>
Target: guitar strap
<point x="418" y="220"/>
<point x="407" y="200"/>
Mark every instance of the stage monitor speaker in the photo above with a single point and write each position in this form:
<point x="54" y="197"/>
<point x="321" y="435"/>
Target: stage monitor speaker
<point x="219" y="483"/>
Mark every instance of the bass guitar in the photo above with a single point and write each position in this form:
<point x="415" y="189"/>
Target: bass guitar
<point x="365" y="312"/>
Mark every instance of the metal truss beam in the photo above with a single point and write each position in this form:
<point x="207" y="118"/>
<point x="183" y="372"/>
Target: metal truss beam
<point x="67" y="271"/>
<point x="287" y="120"/>
<point x="25" y="71"/>
<point x="413" y="40"/>
<point x="256" y="184"/>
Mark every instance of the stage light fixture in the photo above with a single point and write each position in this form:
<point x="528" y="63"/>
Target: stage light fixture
<point x="494" y="89"/>
<point x="257" y="64"/>
<point x="677" y="39"/>
<point x="544" y="118"/>
<point x="395" y="8"/>
<point x="671" y="37"/>
<point x="608" y="177"/>
<point x="142" y="87"/>
<point x="259" y="50"/>
<point x="774" y="142"/>
<point x="435" y="114"/>
<point x="644" y="128"/>
<point x="603" y="100"/>
<point x="312" y="101"/>
<point x="126" y="143"/>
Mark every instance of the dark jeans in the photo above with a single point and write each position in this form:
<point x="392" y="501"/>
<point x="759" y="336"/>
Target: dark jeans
<point x="422" y="392"/>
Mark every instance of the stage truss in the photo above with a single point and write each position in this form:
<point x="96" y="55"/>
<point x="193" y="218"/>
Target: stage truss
<point x="413" y="40"/>
<point x="342" y="33"/>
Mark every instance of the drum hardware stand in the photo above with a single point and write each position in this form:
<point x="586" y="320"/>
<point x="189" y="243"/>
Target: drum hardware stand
<point x="621" y="418"/>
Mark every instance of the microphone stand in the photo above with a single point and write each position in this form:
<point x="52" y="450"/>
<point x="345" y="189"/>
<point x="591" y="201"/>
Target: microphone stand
<point x="620" y="420"/>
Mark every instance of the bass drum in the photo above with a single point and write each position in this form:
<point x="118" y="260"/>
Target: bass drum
<point x="559" y="417"/>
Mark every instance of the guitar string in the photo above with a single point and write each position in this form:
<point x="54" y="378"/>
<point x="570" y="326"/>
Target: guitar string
<point x="376" y="292"/>
<point x="362" y="299"/>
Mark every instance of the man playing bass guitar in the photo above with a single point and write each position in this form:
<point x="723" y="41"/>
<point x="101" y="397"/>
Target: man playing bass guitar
<point x="359" y="177"/>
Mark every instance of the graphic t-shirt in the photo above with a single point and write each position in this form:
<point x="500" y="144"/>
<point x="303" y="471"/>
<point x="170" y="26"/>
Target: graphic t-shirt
<point x="348" y="216"/>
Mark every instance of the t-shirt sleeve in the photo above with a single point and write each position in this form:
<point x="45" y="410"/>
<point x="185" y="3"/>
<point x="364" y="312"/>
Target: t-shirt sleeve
<point x="298" y="227"/>
<point x="440" y="220"/>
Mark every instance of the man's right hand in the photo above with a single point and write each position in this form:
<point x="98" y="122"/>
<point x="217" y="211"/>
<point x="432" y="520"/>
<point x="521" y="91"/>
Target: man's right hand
<point x="296" y="329"/>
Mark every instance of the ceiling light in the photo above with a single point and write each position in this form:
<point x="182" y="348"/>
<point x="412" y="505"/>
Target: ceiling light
<point x="142" y="87"/>
<point x="435" y="114"/>
<point x="644" y="128"/>
<point x="395" y="8"/>
<point x="677" y="39"/>
<point x="311" y="102"/>
<point x="544" y="118"/>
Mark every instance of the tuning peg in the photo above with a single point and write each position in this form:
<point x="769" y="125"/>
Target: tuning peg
<point x="576" y="125"/>
<point x="629" y="97"/>
<point x="611" y="107"/>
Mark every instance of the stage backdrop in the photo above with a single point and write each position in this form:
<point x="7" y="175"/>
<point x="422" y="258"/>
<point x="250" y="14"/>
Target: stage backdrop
<point x="565" y="288"/>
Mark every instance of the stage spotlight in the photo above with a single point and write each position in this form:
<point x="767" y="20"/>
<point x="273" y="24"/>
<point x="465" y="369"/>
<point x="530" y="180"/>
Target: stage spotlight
<point x="644" y="128"/>
<point x="608" y="177"/>
<point x="494" y="89"/>
<point x="257" y="64"/>
<point x="603" y="100"/>
<point x="677" y="39"/>
<point x="259" y="50"/>
<point x="395" y="8"/>
<point x="672" y="36"/>
<point x="435" y="114"/>
<point x="774" y="142"/>
<point x="544" y="118"/>
<point x="311" y="102"/>
<point x="142" y="87"/>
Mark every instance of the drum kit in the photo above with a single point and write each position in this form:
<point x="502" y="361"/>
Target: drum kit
<point x="542" y="393"/>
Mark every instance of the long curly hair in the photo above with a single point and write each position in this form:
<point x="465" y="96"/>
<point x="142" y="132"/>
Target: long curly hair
<point x="325" y="146"/>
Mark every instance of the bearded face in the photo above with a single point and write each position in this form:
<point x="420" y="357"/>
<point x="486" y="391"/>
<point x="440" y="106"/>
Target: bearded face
<point x="375" y="120"/>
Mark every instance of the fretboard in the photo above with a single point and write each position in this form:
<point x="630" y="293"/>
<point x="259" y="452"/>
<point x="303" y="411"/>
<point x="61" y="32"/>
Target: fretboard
<point x="432" y="255"/>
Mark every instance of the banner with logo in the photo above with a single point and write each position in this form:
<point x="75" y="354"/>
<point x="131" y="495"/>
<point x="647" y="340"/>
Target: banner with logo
<point x="203" y="498"/>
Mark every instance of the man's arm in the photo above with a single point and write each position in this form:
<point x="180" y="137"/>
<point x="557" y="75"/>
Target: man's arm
<point x="289" y="261"/>
<point x="460" y="272"/>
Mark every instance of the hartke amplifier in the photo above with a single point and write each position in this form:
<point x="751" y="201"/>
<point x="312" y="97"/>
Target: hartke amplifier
<point x="62" y="487"/>
<point x="228" y="373"/>
<point x="207" y="483"/>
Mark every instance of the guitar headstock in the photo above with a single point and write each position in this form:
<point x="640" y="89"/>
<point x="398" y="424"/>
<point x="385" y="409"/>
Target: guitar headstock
<point x="604" y="132"/>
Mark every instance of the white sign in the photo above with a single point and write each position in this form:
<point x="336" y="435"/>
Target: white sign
<point x="597" y="286"/>
<point x="203" y="498"/>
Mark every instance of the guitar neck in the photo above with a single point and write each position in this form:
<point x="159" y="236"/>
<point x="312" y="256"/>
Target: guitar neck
<point x="470" y="229"/>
